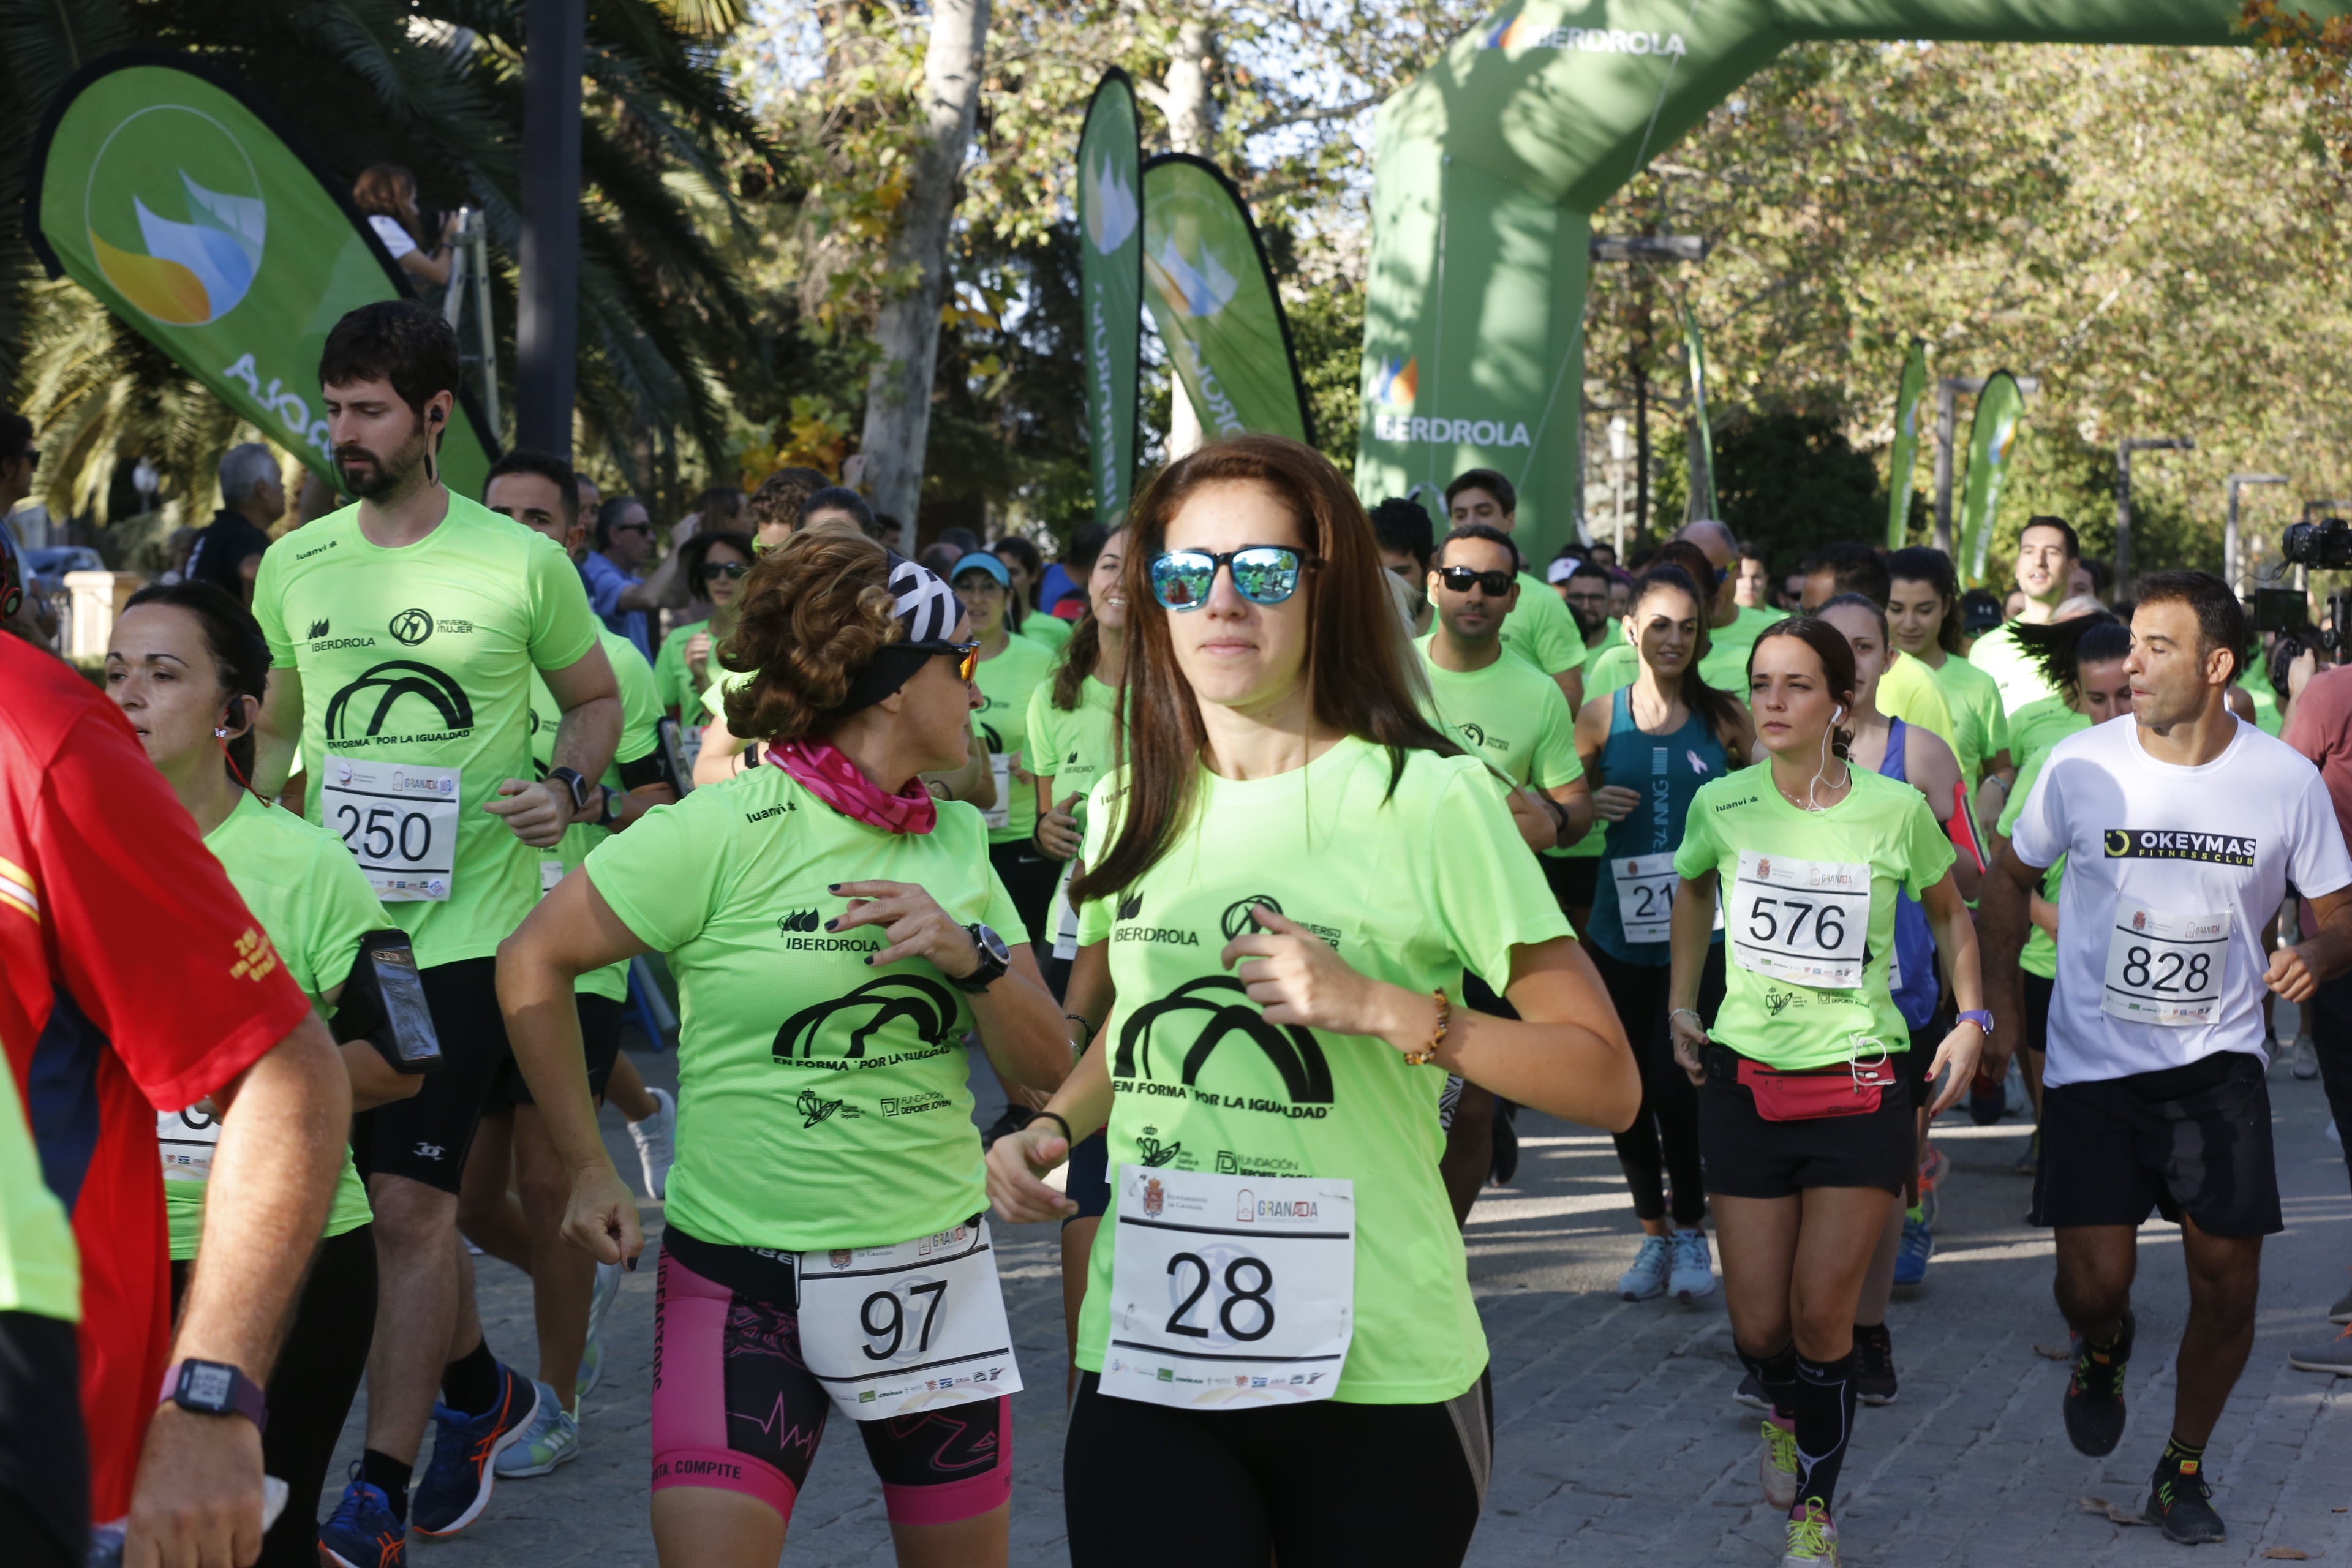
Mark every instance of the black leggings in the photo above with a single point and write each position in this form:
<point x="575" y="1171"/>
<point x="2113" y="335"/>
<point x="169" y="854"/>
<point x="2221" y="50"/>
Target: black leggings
<point x="1029" y="876"/>
<point x="1319" y="1485"/>
<point x="310" y="1390"/>
<point x="1663" y="1143"/>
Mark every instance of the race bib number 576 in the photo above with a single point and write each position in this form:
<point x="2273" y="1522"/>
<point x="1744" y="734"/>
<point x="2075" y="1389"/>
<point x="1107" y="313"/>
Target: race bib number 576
<point x="1804" y="921"/>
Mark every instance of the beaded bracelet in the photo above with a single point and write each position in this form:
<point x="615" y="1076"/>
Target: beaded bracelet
<point x="1444" y="1017"/>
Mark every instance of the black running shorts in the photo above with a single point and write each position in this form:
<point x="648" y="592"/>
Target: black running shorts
<point x="600" y="1037"/>
<point x="2191" y="1142"/>
<point x="425" y="1137"/>
<point x="44" y="1460"/>
<point x="1742" y="1156"/>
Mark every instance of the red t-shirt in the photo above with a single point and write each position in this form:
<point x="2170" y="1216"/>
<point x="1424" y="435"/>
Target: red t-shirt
<point x="137" y="984"/>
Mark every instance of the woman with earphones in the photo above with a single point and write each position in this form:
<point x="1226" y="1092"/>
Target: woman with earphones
<point x="187" y="665"/>
<point x="1805" y="1123"/>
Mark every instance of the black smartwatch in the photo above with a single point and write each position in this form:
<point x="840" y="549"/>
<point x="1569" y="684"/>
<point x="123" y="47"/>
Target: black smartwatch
<point x="573" y="785"/>
<point x="610" y="815"/>
<point x="214" y="1388"/>
<point x="995" y="958"/>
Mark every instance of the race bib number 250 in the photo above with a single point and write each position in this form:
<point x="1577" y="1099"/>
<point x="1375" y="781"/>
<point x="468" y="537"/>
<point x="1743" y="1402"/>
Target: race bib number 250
<point x="399" y="821"/>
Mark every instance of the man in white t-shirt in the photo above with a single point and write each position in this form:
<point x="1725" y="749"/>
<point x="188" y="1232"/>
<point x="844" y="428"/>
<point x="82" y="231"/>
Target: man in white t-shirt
<point x="2182" y="828"/>
<point x="2047" y="559"/>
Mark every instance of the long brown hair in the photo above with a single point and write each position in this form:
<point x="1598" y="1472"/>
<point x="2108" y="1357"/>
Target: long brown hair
<point x="1078" y="660"/>
<point x="1355" y="660"/>
<point x="1719" y="709"/>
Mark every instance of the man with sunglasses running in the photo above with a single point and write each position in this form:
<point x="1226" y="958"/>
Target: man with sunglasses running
<point x="1538" y="630"/>
<point x="1505" y="712"/>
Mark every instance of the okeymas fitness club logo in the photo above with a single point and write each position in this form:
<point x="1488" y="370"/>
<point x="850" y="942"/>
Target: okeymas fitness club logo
<point x="182" y="248"/>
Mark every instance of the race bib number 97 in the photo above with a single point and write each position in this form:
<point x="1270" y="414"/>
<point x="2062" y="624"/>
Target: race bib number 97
<point x="2164" y="968"/>
<point x="398" y="820"/>
<point x="915" y="1326"/>
<point x="1804" y="921"/>
<point x="1230" y="1292"/>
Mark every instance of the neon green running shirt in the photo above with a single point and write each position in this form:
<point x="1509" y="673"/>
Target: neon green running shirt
<point x="820" y="1103"/>
<point x="1508" y="713"/>
<point x="1979" y="722"/>
<point x="1541" y="631"/>
<point x="1882" y="824"/>
<point x="674" y="678"/>
<point x="1073" y="747"/>
<point x="423" y="656"/>
<point x="2039" y="955"/>
<point x="314" y="904"/>
<point x="2017" y="674"/>
<point x="1005" y="683"/>
<point x="640" y="713"/>
<point x="1337" y="852"/>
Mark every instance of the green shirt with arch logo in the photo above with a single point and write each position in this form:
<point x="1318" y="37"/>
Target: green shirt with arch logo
<point x="820" y="1103"/>
<point x="1883" y="824"/>
<point x="1508" y="713"/>
<point x="641" y="713"/>
<point x="1005" y="683"/>
<point x="424" y="654"/>
<point x="1073" y="746"/>
<point x="1335" y="850"/>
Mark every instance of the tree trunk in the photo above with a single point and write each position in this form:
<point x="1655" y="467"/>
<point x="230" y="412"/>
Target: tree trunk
<point x="1191" y="121"/>
<point x="899" y="392"/>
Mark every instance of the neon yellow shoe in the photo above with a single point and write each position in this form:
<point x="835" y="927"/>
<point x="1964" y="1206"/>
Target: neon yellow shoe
<point x="1812" y="1539"/>
<point x="1778" y="1467"/>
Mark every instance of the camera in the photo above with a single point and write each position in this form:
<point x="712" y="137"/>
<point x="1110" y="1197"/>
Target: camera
<point x="2325" y="544"/>
<point x="2286" y="612"/>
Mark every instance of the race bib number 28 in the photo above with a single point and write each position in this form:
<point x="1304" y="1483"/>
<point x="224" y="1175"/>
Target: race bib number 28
<point x="1804" y="921"/>
<point x="1230" y="1292"/>
<point x="399" y="821"/>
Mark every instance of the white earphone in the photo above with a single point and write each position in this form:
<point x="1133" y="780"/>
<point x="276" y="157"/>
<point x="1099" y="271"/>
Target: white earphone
<point x="1838" y="717"/>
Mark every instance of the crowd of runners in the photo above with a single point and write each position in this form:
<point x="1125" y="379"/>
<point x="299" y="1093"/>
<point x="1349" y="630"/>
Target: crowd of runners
<point x="1273" y="879"/>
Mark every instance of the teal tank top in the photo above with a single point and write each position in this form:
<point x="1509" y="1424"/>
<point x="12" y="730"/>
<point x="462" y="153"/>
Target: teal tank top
<point x="1667" y="770"/>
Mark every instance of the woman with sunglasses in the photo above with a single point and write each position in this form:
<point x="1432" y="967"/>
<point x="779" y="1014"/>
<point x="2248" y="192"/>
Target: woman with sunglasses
<point x="715" y="566"/>
<point x="1293" y="871"/>
<point x="1647" y="749"/>
<point x="186" y="664"/>
<point x="1805" y="1126"/>
<point x="835" y="932"/>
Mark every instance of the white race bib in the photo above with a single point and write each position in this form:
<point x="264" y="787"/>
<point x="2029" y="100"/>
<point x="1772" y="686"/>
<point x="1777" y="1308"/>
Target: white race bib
<point x="1804" y="921"/>
<point x="188" y="1138"/>
<point x="1646" y="895"/>
<point x="1061" y="919"/>
<point x="2165" y="969"/>
<point x="1001" y="813"/>
<point x="1230" y="1292"/>
<point x="399" y="820"/>
<point x="917" y="1326"/>
<point x="551" y="872"/>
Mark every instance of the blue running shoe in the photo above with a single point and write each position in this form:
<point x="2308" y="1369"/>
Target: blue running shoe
<point x="1911" y="1255"/>
<point x="465" y="1448"/>
<point x="361" y="1533"/>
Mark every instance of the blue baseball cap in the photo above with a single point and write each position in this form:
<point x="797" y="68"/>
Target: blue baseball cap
<point x="981" y="561"/>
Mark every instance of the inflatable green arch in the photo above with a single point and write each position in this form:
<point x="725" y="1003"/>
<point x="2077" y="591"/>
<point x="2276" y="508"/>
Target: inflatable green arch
<point x="1489" y="167"/>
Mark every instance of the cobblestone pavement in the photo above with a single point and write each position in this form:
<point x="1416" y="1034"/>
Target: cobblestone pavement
<point x="1616" y="1436"/>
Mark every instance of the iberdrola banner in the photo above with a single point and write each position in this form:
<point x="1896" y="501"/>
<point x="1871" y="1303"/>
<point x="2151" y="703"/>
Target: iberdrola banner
<point x="2000" y="410"/>
<point x="1213" y="298"/>
<point x="172" y="192"/>
<point x="1110" y="276"/>
<point x="1703" y="501"/>
<point x="1905" y="456"/>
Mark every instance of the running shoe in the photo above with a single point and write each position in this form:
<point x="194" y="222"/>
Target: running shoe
<point x="362" y="1531"/>
<point x="592" y="1371"/>
<point x="1693" y="1275"/>
<point x="1911" y="1253"/>
<point x="457" y="1483"/>
<point x="2181" y="1504"/>
<point x="656" y="1141"/>
<point x="2094" y="1406"/>
<point x="2016" y="1101"/>
<point x="2305" y="1060"/>
<point x="1777" y="1465"/>
<point x="1987" y="1099"/>
<point x="1647" y="1277"/>
<point x="1931" y="1168"/>
<point x="2332" y="1356"/>
<point x="1015" y="1119"/>
<point x="1751" y="1393"/>
<point x="1874" y="1366"/>
<point x="552" y="1438"/>
<point x="1813" y="1539"/>
<point x="2030" y="1162"/>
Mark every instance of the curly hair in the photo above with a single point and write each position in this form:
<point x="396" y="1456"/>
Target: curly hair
<point x="781" y="496"/>
<point x="812" y="612"/>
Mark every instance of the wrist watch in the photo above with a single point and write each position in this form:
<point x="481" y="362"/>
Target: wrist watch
<point x="1981" y="1019"/>
<point x="611" y="813"/>
<point x="995" y="958"/>
<point x="573" y="785"/>
<point x="214" y="1388"/>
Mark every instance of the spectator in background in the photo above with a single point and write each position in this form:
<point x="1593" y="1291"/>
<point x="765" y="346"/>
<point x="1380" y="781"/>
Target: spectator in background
<point x="963" y="539"/>
<point x="887" y="530"/>
<point x="835" y="506"/>
<point x="1752" y="589"/>
<point x="227" y="552"/>
<point x="617" y="591"/>
<point x="1979" y="613"/>
<point x="717" y="509"/>
<point x="774" y="508"/>
<point x="387" y="194"/>
<point x="1407" y="542"/>
<point x="1587" y="593"/>
<point x="939" y="558"/>
<point x="317" y="498"/>
<point x="30" y="617"/>
<point x="1602" y="554"/>
<point x="590" y="497"/>
<point x="1062" y="591"/>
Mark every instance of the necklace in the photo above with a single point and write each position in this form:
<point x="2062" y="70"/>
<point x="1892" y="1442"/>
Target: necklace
<point x="1806" y="804"/>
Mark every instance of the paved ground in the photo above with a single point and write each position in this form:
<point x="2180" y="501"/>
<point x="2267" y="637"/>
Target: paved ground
<point x="1614" y="1435"/>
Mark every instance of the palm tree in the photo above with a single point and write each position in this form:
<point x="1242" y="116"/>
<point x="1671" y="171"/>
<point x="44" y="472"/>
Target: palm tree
<point x="436" y="86"/>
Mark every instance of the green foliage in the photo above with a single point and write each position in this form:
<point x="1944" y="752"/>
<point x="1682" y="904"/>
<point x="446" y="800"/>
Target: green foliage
<point x="1327" y="334"/>
<point x="1791" y="482"/>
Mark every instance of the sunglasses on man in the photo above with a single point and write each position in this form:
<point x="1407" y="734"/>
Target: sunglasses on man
<point x="1458" y="580"/>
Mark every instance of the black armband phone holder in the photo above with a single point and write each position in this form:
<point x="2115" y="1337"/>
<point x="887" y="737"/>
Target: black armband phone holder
<point x="384" y="1003"/>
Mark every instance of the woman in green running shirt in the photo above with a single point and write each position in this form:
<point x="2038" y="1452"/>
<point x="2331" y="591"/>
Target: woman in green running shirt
<point x="1923" y="616"/>
<point x="187" y="664"/>
<point x="1805" y="1126"/>
<point x="715" y="566"/>
<point x="835" y="933"/>
<point x="1293" y="871"/>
